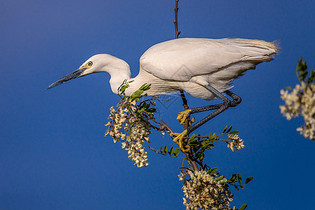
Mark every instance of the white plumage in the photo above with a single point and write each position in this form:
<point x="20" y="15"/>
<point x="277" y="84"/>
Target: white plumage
<point x="187" y="64"/>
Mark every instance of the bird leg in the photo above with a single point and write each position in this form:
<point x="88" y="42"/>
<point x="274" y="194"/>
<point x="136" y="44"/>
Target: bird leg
<point x="185" y="103"/>
<point x="182" y="116"/>
<point x="219" y="108"/>
<point x="179" y="139"/>
<point x="236" y="99"/>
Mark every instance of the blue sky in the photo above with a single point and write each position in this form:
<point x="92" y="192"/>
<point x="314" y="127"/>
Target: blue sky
<point x="53" y="153"/>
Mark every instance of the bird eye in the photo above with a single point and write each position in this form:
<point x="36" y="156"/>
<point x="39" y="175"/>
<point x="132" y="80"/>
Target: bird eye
<point x="90" y="63"/>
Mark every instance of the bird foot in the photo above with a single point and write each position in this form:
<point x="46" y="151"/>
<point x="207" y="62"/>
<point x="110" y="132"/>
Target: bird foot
<point x="179" y="140"/>
<point x="182" y="116"/>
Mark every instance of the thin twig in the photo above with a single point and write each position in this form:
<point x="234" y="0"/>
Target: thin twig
<point x="188" y="155"/>
<point x="185" y="103"/>
<point x="177" y="32"/>
<point x="161" y="128"/>
<point x="154" y="150"/>
<point x="169" y="130"/>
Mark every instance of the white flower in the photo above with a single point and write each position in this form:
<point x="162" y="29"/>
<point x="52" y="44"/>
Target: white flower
<point x="235" y="142"/>
<point x="301" y="101"/>
<point x="133" y="131"/>
<point x="202" y="191"/>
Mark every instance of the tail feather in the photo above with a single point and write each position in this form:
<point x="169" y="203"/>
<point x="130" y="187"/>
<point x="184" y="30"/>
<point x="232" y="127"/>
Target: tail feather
<point x="259" y="43"/>
<point x="258" y="51"/>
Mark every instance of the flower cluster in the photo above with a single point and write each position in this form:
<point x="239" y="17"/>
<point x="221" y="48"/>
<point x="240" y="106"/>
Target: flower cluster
<point x="235" y="142"/>
<point x="301" y="100"/>
<point x="204" y="191"/>
<point x="127" y="126"/>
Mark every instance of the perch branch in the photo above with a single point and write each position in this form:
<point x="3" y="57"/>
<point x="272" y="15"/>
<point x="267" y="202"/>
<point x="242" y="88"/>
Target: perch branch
<point x="177" y="32"/>
<point x="188" y="154"/>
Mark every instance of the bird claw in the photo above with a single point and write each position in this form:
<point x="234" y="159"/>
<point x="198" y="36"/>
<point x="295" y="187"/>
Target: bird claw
<point x="179" y="138"/>
<point x="182" y="116"/>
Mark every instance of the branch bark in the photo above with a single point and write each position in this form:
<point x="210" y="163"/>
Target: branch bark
<point x="177" y="32"/>
<point x="188" y="155"/>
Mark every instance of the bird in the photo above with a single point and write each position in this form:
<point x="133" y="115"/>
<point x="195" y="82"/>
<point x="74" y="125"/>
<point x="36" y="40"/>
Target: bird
<point x="202" y="67"/>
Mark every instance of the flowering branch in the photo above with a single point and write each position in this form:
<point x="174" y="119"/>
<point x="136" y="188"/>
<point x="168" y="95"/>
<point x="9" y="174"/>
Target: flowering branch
<point x="182" y="94"/>
<point x="131" y="123"/>
<point x="204" y="187"/>
<point x="301" y="100"/>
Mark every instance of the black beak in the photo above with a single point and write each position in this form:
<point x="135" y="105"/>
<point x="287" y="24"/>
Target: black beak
<point x="70" y="76"/>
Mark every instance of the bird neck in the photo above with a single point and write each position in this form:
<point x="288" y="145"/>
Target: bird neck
<point x="117" y="80"/>
<point x="119" y="71"/>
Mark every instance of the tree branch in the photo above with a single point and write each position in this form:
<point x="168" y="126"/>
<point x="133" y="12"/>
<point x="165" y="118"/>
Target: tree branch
<point x="177" y="32"/>
<point x="182" y="94"/>
<point x="188" y="155"/>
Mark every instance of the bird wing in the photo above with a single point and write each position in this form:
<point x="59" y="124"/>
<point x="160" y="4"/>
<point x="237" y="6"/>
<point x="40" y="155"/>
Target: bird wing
<point x="182" y="59"/>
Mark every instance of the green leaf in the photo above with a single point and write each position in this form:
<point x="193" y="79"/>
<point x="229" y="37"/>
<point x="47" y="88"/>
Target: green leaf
<point x="214" y="170"/>
<point x="210" y="146"/>
<point x="151" y="110"/>
<point x="242" y="186"/>
<point x="224" y="129"/>
<point x="171" y="150"/>
<point x="192" y="139"/>
<point x="303" y="75"/>
<point x="165" y="149"/>
<point x="176" y="151"/>
<point x="229" y="129"/>
<point x="244" y="206"/>
<point x="214" y="135"/>
<point x="204" y="144"/>
<point x="233" y="178"/>
<point x="136" y="94"/>
<point x="219" y="178"/>
<point x="239" y="177"/>
<point x="145" y="87"/>
<point x="161" y="149"/>
<point x="139" y="92"/>
<point x="312" y="77"/>
<point x="201" y="156"/>
<point x="234" y="132"/>
<point x="248" y="179"/>
<point x="301" y="70"/>
<point x="123" y="88"/>
<point x="142" y="86"/>
<point x="236" y="187"/>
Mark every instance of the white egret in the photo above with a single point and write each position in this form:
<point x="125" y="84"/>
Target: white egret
<point x="204" y="68"/>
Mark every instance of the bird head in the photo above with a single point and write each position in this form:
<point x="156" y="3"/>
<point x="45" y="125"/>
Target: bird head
<point x="95" y="64"/>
